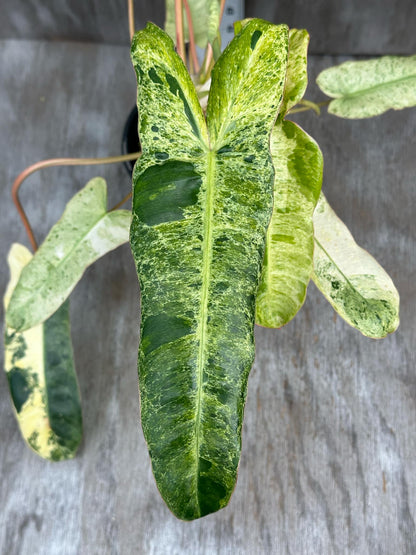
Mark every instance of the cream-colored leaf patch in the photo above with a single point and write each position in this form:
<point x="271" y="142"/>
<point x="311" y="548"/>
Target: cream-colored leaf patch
<point x="24" y="364"/>
<point x="355" y="284"/>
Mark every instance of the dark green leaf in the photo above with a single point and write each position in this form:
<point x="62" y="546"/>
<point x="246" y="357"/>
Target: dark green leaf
<point x="200" y="214"/>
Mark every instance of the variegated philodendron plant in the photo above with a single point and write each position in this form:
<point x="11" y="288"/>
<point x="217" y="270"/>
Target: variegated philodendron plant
<point x="228" y="226"/>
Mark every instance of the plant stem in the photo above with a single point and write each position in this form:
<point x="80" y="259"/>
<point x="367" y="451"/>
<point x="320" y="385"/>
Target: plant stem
<point x="221" y="12"/>
<point x="180" y="43"/>
<point x="208" y="62"/>
<point x="57" y="162"/>
<point x="130" y="8"/>
<point x="306" y="108"/>
<point x="192" y="48"/>
<point x="125" y="199"/>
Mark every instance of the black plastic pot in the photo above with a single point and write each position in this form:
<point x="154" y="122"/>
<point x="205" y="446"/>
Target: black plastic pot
<point x="130" y="140"/>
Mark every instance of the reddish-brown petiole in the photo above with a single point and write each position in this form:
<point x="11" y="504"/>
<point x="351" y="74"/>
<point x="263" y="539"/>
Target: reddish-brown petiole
<point x="59" y="162"/>
<point x="180" y="43"/>
<point x="192" y="47"/>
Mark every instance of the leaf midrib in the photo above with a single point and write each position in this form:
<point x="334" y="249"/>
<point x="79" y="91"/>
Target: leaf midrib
<point x="206" y="264"/>
<point x="203" y="312"/>
<point x="63" y="260"/>
<point x="339" y="270"/>
<point x="207" y="245"/>
<point x="362" y="92"/>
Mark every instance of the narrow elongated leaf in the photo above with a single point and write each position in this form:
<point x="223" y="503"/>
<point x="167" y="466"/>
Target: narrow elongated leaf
<point x="85" y="232"/>
<point x="205" y="20"/>
<point x="350" y="278"/>
<point x="40" y="371"/>
<point x="201" y="207"/>
<point x="288" y="260"/>
<point x="297" y="73"/>
<point x="369" y="88"/>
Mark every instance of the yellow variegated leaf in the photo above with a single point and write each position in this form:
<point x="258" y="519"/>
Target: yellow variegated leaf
<point x="368" y="88"/>
<point x="288" y="260"/>
<point x="85" y="232"/>
<point x="41" y="376"/>
<point x="297" y="74"/>
<point x="355" y="284"/>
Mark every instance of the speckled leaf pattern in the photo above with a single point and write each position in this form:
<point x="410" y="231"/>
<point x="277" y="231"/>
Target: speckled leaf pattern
<point x="353" y="282"/>
<point x="288" y="260"/>
<point x="297" y="73"/>
<point x="201" y="207"/>
<point x="85" y="232"/>
<point x="40" y="372"/>
<point x="205" y="20"/>
<point x="369" y="88"/>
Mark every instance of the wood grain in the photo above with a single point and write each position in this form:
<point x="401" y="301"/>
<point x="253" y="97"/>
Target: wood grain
<point x="354" y="27"/>
<point x="329" y="438"/>
<point x="93" y="21"/>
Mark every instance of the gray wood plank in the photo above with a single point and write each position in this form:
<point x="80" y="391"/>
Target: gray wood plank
<point x="329" y="437"/>
<point x="93" y="21"/>
<point x="354" y="27"/>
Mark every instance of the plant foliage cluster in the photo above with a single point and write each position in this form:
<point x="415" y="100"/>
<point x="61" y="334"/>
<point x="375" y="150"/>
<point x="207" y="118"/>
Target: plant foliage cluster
<point x="228" y="226"/>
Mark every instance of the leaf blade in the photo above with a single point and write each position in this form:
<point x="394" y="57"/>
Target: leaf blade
<point x="351" y="280"/>
<point x="85" y="232"/>
<point x="41" y="376"/>
<point x="368" y="88"/>
<point x="288" y="261"/>
<point x="297" y="74"/>
<point x="196" y="345"/>
<point x="229" y="110"/>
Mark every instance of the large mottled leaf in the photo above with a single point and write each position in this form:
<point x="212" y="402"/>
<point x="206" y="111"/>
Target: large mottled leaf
<point x="85" y="232"/>
<point x="369" y="88"/>
<point x="350" y="278"/>
<point x="201" y="205"/>
<point x="205" y="20"/>
<point x="297" y="73"/>
<point x="40" y="371"/>
<point x="288" y="260"/>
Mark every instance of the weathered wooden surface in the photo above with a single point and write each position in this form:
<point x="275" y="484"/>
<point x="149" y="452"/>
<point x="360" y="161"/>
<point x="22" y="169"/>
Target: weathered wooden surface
<point x="353" y="27"/>
<point x="94" y="21"/>
<point x="328" y="463"/>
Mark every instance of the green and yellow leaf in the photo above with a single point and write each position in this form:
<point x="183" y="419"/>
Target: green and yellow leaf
<point x="369" y="88"/>
<point x="297" y="73"/>
<point x="40" y="372"/>
<point x="85" y="232"/>
<point x="202" y="201"/>
<point x="240" y="24"/>
<point x="288" y="260"/>
<point x="353" y="282"/>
